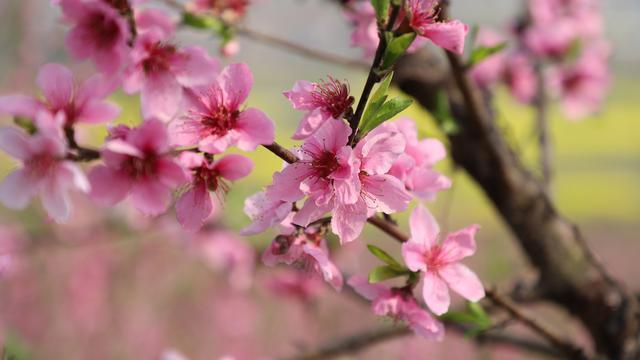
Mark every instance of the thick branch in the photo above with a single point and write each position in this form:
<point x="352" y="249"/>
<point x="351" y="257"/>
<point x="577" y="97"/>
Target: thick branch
<point x="568" y="275"/>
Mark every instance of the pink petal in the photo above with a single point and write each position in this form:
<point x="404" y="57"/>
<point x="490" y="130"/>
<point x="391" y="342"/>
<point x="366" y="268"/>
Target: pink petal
<point x="459" y="244"/>
<point x="55" y="199"/>
<point x="448" y="35"/>
<point x="215" y="145"/>
<point x="190" y="160"/>
<point x="309" y="213"/>
<point x="254" y="128"/>
<point x="20" y="105"/>
<point x="385" y="193"/>
<point x="195" y="67"/>
<point x="97" y="87"/>
<point x="108" y="186"/>
<point x="286" y="183"/>
<point x="430" y="151"/>
<point x="161" y="96"/>
<point x="331" y="136"/>
<point x="310" y="122"/>
<point x="424" y="183"/>
<point x="414" y="256"/>
<point x="96" y="112"/>
<point x="17" y="189"/>
<point x="348" y="220"/>
<point x="463" y="281"/>
<point x="435" y="293"/>
<point x="347" y="191"/>
<point x="170" y="173"/>
<point x="150" y="196"/>
<point x="264" y="212"/>
<point x="184" y="132"/>
<point x="379" y="149"/>
<point x="15" y="143"/>
<point x="56" y="82"/>
<point x="194" y="207"/>
<point x="300" y="95"/>
<point x="329" y="270"/>
<point x="369" y="291"/>
<point x="122" y="147"/>
<point x="425" y="325"/>
<point x="151" y="136"/>
<point x="424" y="228"/>
<point x="235" y="81"/>
<point x="73" y="175"/>
<point x="234" y="167"/>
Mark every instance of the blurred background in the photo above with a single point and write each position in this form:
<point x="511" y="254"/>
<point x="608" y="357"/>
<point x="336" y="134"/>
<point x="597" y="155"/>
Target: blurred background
<point x="114" y="285"/>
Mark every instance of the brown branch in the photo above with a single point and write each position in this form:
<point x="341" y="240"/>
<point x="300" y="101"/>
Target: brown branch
<point x="282" y="152"/>
<point x="568" y="348"/>
<point x="388" y="228"/>
<point x="542" y="131"/>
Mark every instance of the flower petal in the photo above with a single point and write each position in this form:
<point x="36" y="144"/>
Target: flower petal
<point x="234" y="167"/>
<point x="463" y="281"/>
<point x="150" y="196"/>
<point x="17" y="189"/>
<point x="108" y="186"/>
<point x="348" y="220"/>
<point x="194" y="207"/>
<point x="235" y="81"/>
<point x="254" y="128"/>
<point x="56" y="82"/>
<point x="448" y="35"/>
<point x="414" y="256"/>
<point x="435" y="293"/>
<point x="460" y="244"/>
<point x="20" y="105"/>
<point x="15" y="143"/>
<point x="161" y="96"/>
<point x="424" y="228"/>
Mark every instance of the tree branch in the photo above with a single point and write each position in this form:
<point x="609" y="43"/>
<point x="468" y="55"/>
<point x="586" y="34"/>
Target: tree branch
<point x="542" y="130"/>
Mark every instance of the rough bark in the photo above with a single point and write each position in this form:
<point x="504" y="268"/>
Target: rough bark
<point x="568" y="275"/>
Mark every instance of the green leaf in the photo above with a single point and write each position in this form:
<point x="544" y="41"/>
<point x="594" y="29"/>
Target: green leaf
<point x="482" y="318"/>
<point x="26" y="124"/>
<point x="385" y="257"/>
<point x="386" y="272"/>
<point x="382" y="9"/>
<point x="475" y="316"/>
<point x="482" y="52"/>
<point x="388" y="110"/>
<point x="202" y="22"/>
<point x="396" y="48"/>
<point x="442" y="114"/>
<point x="376" y="101"/>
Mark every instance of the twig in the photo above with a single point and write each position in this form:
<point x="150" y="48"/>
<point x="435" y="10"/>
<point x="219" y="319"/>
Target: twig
<point x="282" y="152"/>
<point x="307" y="52"/>
<point x="389" y="228"/>
<point x="373" y="77"/>
<point x="568" y="348"/>
<point x="542" y="127"/>
<point x="81" y="153"/>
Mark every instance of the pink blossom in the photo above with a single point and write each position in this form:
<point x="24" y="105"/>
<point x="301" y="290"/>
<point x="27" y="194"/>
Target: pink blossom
<point x="230" y="10"/>
<point x="423" y="18"/>
<point x="581" y="86"/>
<point x="84" y="103"/>
<point x="520" y="77"/>
<point x="296" y="284"/>
<point x="161" y="71"/>
<point x="399" y="304"/>
<point x="264" y="212"/>
<point x="137" y="162"/>
<point x="323" y="101"/>
<point x="415" y="166"/>
<point x="230" y="48"/>
<point x="490" y="70"/>
<point x="99" y="32"/>
<point x="552" y="40"/>
<point x="44" y="171"/>
<point x="195" y="205"/>
<point x="224" y="251"/>
<point x="440" y="262"/>
<point x="379" y="191"/>
<point x="215" y="122"/>
<point x="307" y="249"/>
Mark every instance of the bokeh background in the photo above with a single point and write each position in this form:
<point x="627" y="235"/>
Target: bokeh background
<point x="114" y="285"/>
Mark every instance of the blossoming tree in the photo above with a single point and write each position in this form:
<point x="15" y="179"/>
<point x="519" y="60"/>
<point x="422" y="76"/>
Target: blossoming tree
<point x="356" y="162"/>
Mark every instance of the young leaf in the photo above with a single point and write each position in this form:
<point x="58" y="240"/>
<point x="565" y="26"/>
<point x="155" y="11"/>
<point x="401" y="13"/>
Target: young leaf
<point x="202" y="22"/>
<point x="382" y="9"/>
<point x="382" y="273"/>
<point x="376" y="101"/>
<point x="482" y="52"/>
<point x="443" y="116"/>
<point x="385" y="257"/>
<point x="396" y="48"/>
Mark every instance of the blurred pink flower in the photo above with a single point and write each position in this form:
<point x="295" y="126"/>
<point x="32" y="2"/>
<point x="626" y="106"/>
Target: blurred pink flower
<point x="415" y="166"/>
<point x="323" y="101"/>
<point x="440" y="262"/>
<point x="399" y="304"/>
<point x="215" y="122"/>
<point x="490" y="70"/>
<point x="44" y="170"/>
<point x="195" y="205"/>
<point x="423" y="16"/>
<point x="99" y="32"/>
<point x="161" y="71"/>
<point x="74" y="103"/>
<point x="137" y="162"/>
<point x="308" y="249"/>
<point x="264" y="212"/>
<point x="520" y="77"/>
<point x="295" y="284"/>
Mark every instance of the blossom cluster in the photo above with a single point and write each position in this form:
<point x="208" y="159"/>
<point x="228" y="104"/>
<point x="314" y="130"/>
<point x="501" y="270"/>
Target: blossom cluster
<point x="193" y="111"/>
<point x="562" y="39"/>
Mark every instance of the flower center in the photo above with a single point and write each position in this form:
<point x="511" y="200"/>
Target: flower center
<point x="433" y="258"/>
<point x="41" y="164"/>
<point x="333" y="97"/>
<point x="104" y="29"/>
<point x="324" y="164"/>
<point x="138" y="168"/>
<point x="219" y="121"/>
<point x="159" y="57"/>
